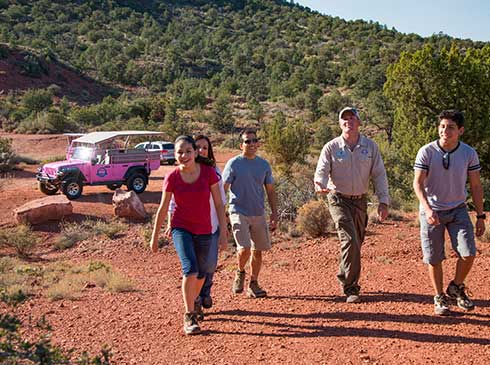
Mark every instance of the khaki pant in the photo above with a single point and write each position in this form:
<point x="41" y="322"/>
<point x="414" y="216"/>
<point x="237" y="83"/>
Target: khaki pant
<point x="350" y="218"/>
<point x="250" y="232"/>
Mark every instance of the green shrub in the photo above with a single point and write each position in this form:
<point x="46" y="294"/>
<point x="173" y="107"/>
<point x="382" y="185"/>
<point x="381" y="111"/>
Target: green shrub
<point x="21" y="239"/>
<point x="6" y="155"/>
<point x="322" y="134"/>
<point x="17" y="349"/>
<point x="231" y="142"/>
<point x="221" y="118"/>
<point x="287" y="142"/>
<point x="314" y="218"/>
<point x="36" y="100"/>
<point x="33" y="66"/>
<point x="26" y="160"/>
<point x="4" y="51"/>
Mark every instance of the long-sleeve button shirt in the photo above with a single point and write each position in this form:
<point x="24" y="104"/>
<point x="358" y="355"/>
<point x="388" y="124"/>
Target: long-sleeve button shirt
<point x="348" y="172"/>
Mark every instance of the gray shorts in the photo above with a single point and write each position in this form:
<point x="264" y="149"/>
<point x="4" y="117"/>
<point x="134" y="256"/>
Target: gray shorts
<point x="460" y="229"/>
<point x="250" y="232"/>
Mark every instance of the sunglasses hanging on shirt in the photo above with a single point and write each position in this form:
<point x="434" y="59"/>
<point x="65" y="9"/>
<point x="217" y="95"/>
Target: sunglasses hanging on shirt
<point x="445" y="160"/>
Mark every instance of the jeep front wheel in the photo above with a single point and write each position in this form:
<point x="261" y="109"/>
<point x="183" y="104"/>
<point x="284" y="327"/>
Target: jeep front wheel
<point x="137" y="183"/>
<point x="47" y="189"/>
<point x="72" y="188"/>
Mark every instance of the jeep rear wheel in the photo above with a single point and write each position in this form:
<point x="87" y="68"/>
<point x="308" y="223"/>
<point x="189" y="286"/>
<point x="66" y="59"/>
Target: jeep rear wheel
<point x="72" y="188"/>
<point x="114" y="186"/>
<point x="137" y="183"/>
<point x="47" y="189"/>
<point x="171" y="162"/>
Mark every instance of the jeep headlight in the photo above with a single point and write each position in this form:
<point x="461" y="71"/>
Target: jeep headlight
<point x="60" y="173"/>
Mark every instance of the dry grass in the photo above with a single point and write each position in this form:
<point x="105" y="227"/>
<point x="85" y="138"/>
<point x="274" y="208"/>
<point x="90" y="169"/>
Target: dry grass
<point x="60" y="280"/>
<point x="314" y="219"/>
<point x="72" y="233"/>
<point x="69" y="287"/>
<point x="146" y="231"/>
<point x="21" y="239"/>
<point x="15" y="280"/>
<point x="117" y="283"/>
<point x="53" y="159"/>
<point x="109" y="229"/>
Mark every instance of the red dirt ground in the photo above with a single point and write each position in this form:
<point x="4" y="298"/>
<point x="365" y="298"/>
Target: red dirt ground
<point x="303" y="320"/>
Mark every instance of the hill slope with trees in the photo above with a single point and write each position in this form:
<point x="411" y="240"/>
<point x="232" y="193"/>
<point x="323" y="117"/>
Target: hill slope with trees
<point x="182" y="66"/>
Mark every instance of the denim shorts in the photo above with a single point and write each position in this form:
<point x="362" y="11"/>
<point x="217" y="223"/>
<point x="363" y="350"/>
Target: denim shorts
<point x="193" y="251"/>
<point x="460" y="229"/>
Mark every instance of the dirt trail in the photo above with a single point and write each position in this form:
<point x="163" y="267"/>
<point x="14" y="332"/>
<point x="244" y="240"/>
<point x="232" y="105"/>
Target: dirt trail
<point x="303" y="320"/>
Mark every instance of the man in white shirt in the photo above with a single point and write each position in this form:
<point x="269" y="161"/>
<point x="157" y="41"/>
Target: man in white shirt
<point x="345" y="166"/>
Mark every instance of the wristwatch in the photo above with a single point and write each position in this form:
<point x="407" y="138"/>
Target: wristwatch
<point x="481" y="216"/>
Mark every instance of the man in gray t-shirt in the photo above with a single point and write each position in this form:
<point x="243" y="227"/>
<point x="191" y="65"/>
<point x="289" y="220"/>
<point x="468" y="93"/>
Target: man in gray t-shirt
<point x="442" y="168"/>
<point x="246" y="176"/>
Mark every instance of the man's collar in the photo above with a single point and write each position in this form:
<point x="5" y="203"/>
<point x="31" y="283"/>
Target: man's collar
<point x="362" y="141"/>
<point x="438" y="143"/>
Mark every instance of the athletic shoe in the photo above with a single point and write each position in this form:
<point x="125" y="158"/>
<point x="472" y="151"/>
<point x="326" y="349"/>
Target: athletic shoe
<point x="191" y="325"/>
<point x="441" y="306"/>
<point x="458" y="293"/>
<point x="352" y="295"/>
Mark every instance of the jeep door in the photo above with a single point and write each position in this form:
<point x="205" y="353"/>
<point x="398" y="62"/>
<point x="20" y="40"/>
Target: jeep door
<point x="101" y="169"/>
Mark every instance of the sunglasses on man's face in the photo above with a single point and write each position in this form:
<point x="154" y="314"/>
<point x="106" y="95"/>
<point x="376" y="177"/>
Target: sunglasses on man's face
<point x="253" y="140"/>
<point x="445" y="160"/>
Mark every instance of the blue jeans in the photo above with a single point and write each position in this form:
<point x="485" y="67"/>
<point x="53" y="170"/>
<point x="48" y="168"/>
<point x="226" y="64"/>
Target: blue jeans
<point x="193" y="251"/>
<point x="212" y="262"/>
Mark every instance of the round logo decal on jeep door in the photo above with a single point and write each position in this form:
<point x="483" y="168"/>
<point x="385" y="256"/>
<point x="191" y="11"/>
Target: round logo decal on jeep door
<point x="101" y="172"/>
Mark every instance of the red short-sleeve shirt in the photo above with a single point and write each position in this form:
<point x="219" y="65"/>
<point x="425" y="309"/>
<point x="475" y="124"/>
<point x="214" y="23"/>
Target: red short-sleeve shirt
<point x="192" y="208"/>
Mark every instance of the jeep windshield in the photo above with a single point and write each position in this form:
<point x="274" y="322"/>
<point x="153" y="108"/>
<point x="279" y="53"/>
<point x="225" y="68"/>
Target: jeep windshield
<point x="82" y="153"/>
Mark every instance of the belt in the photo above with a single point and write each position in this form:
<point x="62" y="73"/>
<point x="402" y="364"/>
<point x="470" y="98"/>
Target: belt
<point x="351" y="197"/>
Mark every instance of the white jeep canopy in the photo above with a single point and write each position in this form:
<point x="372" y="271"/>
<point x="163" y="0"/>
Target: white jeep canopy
<point x="99" y="137"/>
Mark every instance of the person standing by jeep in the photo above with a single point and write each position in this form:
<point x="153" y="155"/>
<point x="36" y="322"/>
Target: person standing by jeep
<point x="345" y="166"/>
<point x="442" y="168"/>
<point x="246" y="176"/>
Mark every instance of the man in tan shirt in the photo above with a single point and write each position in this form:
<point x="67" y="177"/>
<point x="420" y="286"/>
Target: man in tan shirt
<point x="345" y="166"/>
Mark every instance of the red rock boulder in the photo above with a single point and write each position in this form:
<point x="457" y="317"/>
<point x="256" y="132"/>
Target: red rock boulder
<point x="127" y="204"/>
<point x="45" y="209"/>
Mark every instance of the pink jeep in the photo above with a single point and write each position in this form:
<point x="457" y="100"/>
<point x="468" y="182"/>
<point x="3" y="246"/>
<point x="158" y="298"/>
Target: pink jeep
<point x="100" y="158"/>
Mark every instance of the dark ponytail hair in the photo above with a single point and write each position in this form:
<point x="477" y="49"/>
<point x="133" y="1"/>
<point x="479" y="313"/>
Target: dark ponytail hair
<point x="192" y="142"/>
<point x="210" y="147"/>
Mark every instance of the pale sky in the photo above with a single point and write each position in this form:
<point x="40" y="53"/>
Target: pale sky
<point x="457" y="18"/>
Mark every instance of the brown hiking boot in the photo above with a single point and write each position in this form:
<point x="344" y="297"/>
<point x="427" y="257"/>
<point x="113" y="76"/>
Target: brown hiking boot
<point x="238" y="282"/>
<point x="191" y="326"/>
<point x="255" y="291"/>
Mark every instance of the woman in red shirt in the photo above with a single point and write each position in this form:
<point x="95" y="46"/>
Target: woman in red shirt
<point x="191" y="184"/>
